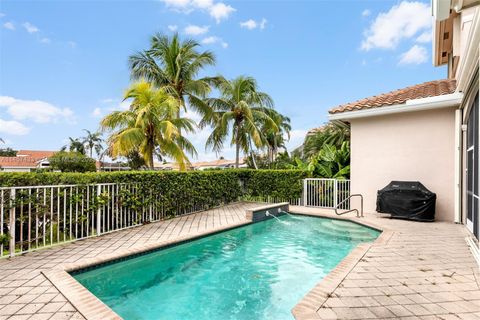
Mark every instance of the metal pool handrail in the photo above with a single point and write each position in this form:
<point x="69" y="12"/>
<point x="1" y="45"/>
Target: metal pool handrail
<point x="359" y="214"/>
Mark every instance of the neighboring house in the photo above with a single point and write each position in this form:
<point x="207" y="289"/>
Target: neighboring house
<point x="111" y="166"/>
<point x="26" y="161"/>
<point x="427" y="132"/>
<point x="218" y="164"/>
<point x="204" y="165"/>
<point x="31" y="160"/>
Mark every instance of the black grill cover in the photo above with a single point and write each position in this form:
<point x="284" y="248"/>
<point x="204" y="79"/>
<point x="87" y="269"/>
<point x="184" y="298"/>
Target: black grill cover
<point x="407" y="200"/>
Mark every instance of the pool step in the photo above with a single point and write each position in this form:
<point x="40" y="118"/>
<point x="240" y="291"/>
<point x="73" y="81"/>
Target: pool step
<point x="350" y="228"/>
<point x="345" y="230"/>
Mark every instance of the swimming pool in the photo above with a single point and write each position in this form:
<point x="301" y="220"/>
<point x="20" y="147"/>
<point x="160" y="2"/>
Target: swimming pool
<point x="259" y="271"/>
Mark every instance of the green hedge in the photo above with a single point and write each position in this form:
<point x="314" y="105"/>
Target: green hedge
<point x="282" y="184"/>
<point x="210" y="188"/>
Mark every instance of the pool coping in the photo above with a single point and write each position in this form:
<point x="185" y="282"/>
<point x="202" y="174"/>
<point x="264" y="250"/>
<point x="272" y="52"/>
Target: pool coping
<point x="309" y="306"/>
<point x="92" y="308"/>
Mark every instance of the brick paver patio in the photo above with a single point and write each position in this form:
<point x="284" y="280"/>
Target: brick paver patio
<point x="423" y="271"/>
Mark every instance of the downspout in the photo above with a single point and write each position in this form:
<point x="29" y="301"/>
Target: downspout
<point x="458" y="167"/>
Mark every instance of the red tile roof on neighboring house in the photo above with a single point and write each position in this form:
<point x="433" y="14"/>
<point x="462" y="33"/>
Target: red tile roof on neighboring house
<point x="21" y="162"/>
<point x="423" y="90"/>
<point x="25" y="159"/>
<point x="39" y="154"/>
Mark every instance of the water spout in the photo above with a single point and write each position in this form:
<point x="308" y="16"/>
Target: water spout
<point x="290" y="215"/>
<point x="267" y="213"/>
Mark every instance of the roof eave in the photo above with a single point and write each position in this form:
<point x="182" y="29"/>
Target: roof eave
<point x="437" y="102"/>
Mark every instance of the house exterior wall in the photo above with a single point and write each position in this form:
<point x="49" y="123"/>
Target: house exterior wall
<point x="15" y="169"/>
<point x="413" y="146"/>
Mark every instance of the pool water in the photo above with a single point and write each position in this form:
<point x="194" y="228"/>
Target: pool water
<point x="259" y="271"/>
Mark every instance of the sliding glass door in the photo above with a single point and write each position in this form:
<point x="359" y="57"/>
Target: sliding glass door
<point x="473" y="169"/>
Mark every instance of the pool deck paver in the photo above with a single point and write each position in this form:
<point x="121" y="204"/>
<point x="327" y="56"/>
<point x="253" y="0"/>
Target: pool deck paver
<point x="417" y="271"/>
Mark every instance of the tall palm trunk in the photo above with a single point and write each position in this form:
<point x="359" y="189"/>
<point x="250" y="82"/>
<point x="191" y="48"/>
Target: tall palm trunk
<point x="237" y="146"/>
<point x="252" y="154"/>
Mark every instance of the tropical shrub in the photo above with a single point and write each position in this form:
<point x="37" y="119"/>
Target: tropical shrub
<point x="71" y="162"/>
<point x="8" y="152"/>
<point x="333" y="133"/>
<point x="329" y="162"/>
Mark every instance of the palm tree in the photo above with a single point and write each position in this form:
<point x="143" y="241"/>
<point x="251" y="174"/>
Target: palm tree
<point x="276" y="137"/>
<point x="93" y="141"/>
<point x="150" y="126"/>
<point x="242" y="108"/>
<point x="332" y="133"/>
<point x="74" y="145"/>
<point x="174" y="65"/>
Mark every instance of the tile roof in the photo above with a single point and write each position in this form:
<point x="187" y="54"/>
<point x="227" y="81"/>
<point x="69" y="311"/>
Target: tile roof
<point x="23" y="162"/>
<point x="25" y="159"/>
<point x="39" y="154"/>
<point x="400" y="96"/>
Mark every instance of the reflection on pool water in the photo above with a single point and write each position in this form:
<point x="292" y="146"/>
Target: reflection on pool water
<point x="259" y="271"/>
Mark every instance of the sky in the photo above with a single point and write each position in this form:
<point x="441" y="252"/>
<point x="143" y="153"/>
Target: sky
<point x="64" y="64"/>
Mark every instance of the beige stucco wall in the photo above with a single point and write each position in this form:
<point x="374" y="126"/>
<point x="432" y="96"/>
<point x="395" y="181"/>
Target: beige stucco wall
<point x="413" y="146"/>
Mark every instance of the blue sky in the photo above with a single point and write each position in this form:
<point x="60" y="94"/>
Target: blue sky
<point x="63" y="64"/>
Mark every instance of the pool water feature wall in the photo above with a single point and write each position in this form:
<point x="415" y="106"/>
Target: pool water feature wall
<point x="260" y="213"/>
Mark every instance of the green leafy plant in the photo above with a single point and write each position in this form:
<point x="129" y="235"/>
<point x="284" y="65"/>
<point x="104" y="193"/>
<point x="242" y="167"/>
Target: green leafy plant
<point x="4" y="239"/>
<point x="329" y="162"/>
<point x="71" y="162"/>
<point x="332" y="133"/>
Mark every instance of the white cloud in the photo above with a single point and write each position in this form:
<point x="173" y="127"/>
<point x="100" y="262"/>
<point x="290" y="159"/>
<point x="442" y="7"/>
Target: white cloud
<point x="2" y="14"/>
<point x="177" y="4"/>
<point x="72" y="44"/>
<point x="30" y="27"/>
<point x="366" y="13"/>
<point x="211" y="40"/>
<point x="194" y="30"/>
<point x="13" y="128"/>
<point x="416" y="55"/>
<point x="35" y="110"/>
<point x="45" y="40"/>
<point x="111" y="105"/>
<point x="9" y="25"/>
<point x="221" y="11"/>
<point x="402" y="21"/>
<point x="204" y="4"/>
<point x="124" y="105"/>
<point x="424" y="37"/>
<point x="97" y="113"/>
<point x="263" y="23"/>
<point x="173" y="27"/>
<point x="217" y="10"/>
<point x="251" y="24"/>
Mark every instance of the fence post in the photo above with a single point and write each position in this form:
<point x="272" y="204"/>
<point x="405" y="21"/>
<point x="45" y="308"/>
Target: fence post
<point x="12" y="219"/>
<point x="150" y="215"/>
<point x="335" y="193"/>
<point x="305" y="192"/>
<point x="99" y="211"/>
